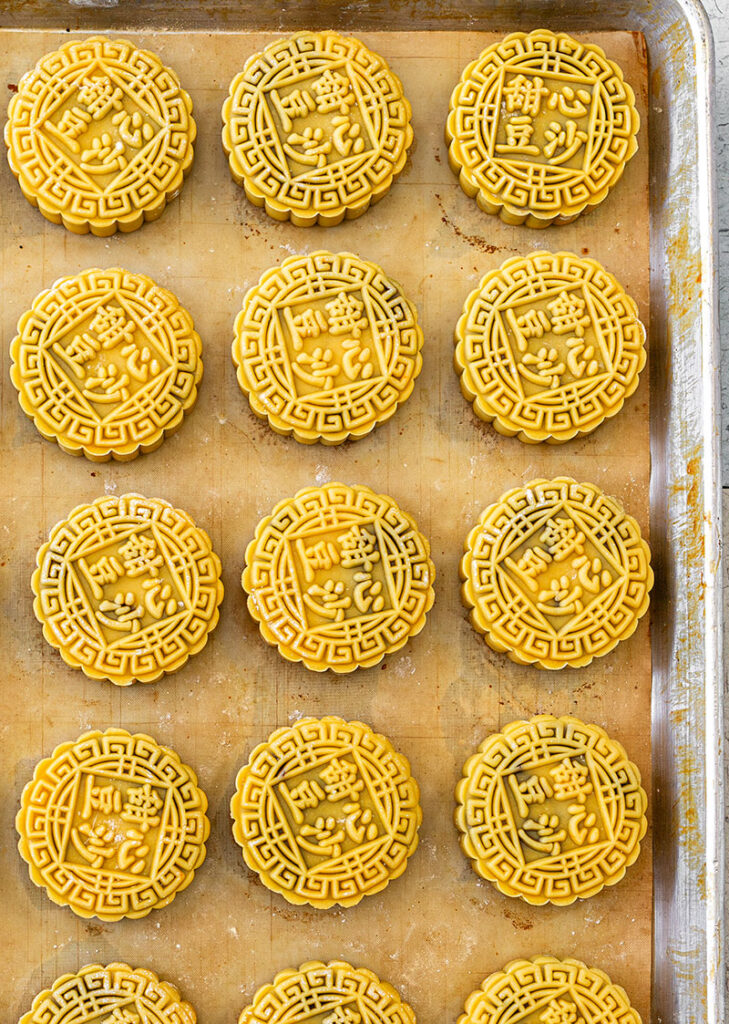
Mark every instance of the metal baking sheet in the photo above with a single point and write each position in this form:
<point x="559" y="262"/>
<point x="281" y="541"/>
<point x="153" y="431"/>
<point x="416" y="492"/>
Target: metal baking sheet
<point x="437" y="931"/>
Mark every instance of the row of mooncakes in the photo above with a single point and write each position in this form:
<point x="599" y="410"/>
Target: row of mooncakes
<point x="316" y="128"/>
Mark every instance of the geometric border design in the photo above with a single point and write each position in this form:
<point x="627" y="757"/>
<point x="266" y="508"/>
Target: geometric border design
<point x="63" y="610"/>
<point x="484" y="357"/>
<point x="530" y="987"/>
<point x="506" y="616"/>
<point x="323" y="195"/>
<point x="43" y="814"/>
<point x="487" y="829"/>
<point x="274" y="590"/>
<point x="270" y="849"/>
<point x="316" y="990"/>
<point x="56" y="406"/>
<point x="55" y="183"/>
<point x="538" y="196"/>
<point x="263" y="367"/>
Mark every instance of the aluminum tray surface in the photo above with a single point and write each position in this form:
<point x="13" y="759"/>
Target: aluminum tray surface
<point x="686" y="712"/>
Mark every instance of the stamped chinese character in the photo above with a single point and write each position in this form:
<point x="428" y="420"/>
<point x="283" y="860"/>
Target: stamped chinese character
<point x="140" y="556"/>
<point x="322" y="554"/>
<point x="525" y="94"/>
<point x="333" y="92"/>
<point x="104" y="799"/>
<point x="535" y="789"/>
<point x="359" y="548"/>
<point x="106" y="569"/>
<point x="99" y="96"/>
<point x="314" y="147"/>
<point x="324" y="838"/>
<point x="307" y="795"/>
<point x="565" y="137"/>
<point x="531" y="324"/>
<point x="329" y="600"/>
<point x="531" y="565"/>
<point x="122" y="613"/>
<point x="141" y="807"/>
<point x="104" y="156"/>
<point x="133" y="129"/>
<point x="562" y="538"/>
<point x="346" y="315"/>
<point x="519" y="131"/>
<point x="571" y="781"/>
<point x="107" y="385"/>
<point x="341" y="780"/>
<point x="568" y="314"/>
<point x="561" y="597"/>
<point x="569" y="102"/>
<point x="543" y="369"/>
<point x="543" y="835"/>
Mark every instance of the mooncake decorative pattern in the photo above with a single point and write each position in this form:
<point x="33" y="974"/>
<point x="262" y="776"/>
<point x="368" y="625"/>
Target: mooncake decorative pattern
<point x="555" y="573"/>
<point x="114" y="994"/>
<point x="327" y="347"/>
<point x="106" y="363"/>
<point x="545" y="990"/>
<point x="127" y="588"/>
<point x="100" y="135"/>
<point x="549" y="346"/>
<point x="326" y="812"/>
<point x="112" y="825"/>
<point x="333" y="993"/>
<point x="316" y="128"/>
<point x="338" y="577"/>
<point x="541" y="127"/>
<point x="551" y="810"/>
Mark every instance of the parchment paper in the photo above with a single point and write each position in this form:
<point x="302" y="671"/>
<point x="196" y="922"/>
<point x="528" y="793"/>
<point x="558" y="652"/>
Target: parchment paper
<point x="438" y="931"/>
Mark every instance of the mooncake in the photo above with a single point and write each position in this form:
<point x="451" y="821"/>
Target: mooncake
<point x="548" y="347"/>
<point x="106" y="363"/>
<point x="545" y="990"/>
<point x="316" y="128"/>
<point x="540" y="128"/>
<point x="115" y="994"/>
<point x="326" y="347"/>
<point x="100" y="135"/>
<point x="112" y="825"/>
<point x="551" y="810"/>
<point x="326" y="812"/>
<point x="127" y="588"/>
<point x="338" y="577"/>
<point x="332" y="993"/>
<point x="556" y="573"/>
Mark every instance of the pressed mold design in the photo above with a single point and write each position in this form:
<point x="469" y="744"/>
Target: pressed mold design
<point x="338" y="577"/>
<point x="551" y="810"/>
<point x="544" y="990"/>
<point x="316" y="128"/>
<point x="106" y="363"/>
<point x="112" y="825"/>
<point x="549" y="346"/>
<point x="100" y="135"/>
<point x="328" y="993"/>
<point x="556" y="573"/>
<point x="326" y="812"/>
<point x="541" y="127"/>
<point x="327" y="347"/>
<point x="111" y="994"/>
<point x="127" y="588"/>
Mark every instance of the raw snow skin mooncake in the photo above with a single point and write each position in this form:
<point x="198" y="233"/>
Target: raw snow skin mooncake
<point x="127" y="588"/>
<point x="551" y="810"/>
<point x="338" y="577"/>
<point x="112" y="825"/>
<point x="540" y="128"/>
<point x="326" y="812"/>
<point x="548" y="347"/>
<point x="556" y="573"/>
<point x="100" y="135"/>
<point x="316" y="128"/>
<point x="331" y="993"/>
<point x="545" y="990"/>
<point x="327" y="347"/>
<point x="106" y="363"/>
